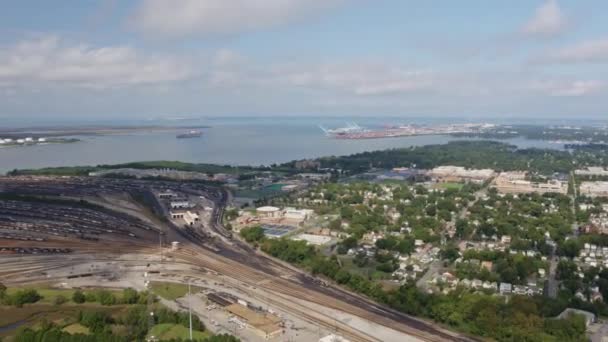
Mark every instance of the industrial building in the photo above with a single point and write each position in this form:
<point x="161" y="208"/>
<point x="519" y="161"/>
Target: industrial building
<point x="315" y="176"/>
<point x="166" y="195"/>
<point x="268" y="211"/>
<point x="297" y="214"/>
<point x="460" y="174"/>
<point x="515" y="182"/>
<point x="312" y="239"/>
<point x="180" y="204"/>
<point x="594" y="189"/>
<point x="592" y="171"/>
<point x="264" y="324"/>
<point x="188" y="216"/>
<point x="333" y="338"/>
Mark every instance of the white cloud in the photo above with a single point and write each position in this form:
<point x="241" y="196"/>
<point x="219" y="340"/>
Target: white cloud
<point x="568" y="88"/>
<point x="49" y="60"/>
<point x="361" y="79"/>
<point x="592" y="51"/>
<point x="548" y="21"/>
<point x="185" y="17"/>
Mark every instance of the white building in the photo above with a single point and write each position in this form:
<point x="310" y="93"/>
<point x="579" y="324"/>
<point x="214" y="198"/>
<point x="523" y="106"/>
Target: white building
<point x="333" y="338"/>
<point x="312" y="239"/>
<point x="459" y="173"/>
<point x="268" y="211"/>
<point x="191" y="218"/>
<point x="515" y="182"/>
<point x="594" y="189"/>
<point x="297" y="214"/>
<point x="505" y="288"/>
<point x="592" y="171"/>
<point x="179" y="204"/>
<point x="188" y="216"/>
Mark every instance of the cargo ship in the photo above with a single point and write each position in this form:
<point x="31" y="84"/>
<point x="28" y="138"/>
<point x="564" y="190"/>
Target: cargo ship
<point x="190" y="134"/>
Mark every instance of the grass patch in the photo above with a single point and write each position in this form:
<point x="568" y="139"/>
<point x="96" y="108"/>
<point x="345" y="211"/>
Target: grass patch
<point x="170" y="331"/>
<point x="30" y="315"/>
<point x="368" y="271"/>
<point x="76" y="328"/>
<point x="171" y="291"/>
<point x="49" y="294"/>
<point x="449" y="185"/>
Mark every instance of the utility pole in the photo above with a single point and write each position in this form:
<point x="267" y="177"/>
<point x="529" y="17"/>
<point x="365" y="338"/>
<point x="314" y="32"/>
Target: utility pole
<point x="160" y="243"/>
<point x="190" y="309"/>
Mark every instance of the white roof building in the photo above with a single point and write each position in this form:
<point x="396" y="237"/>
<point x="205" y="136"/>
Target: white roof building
<point x="333" y="338"/>
<point x="592" y="171"/>
<point x="594" y="189"/>
<point x="312" y="239"/>
<point x="179" y="204"/>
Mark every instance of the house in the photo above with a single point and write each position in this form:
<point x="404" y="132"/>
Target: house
<point x="487" y="265"/>
<point x="505" y="288"/>
<point x="597" y="297"/>
<point x="520" y="290"/>
<point x="488" y="285"/>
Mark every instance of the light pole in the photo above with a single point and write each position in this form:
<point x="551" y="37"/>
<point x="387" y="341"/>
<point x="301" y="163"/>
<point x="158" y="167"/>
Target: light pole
<point x="190" y="309"/>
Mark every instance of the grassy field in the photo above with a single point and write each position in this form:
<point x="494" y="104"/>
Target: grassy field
<point x="174" y="331"/>
<point x="368" y="270"/>
<point x="171" y="291"/>
<point x="456" y="186"/>
<point x="49" y="294"/>
<point x="76" y="328"/>
<point x="30" y="315"/>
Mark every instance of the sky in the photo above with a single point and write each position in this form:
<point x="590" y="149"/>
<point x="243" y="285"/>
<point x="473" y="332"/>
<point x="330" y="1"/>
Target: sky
<point x="115" y="59"/>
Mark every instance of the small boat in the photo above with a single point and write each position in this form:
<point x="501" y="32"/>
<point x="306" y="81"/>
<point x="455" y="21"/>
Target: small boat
<point x="190" y="134"/>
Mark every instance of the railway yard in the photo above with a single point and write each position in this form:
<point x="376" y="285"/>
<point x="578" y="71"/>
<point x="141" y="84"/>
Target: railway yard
<point x="80" y="231"/>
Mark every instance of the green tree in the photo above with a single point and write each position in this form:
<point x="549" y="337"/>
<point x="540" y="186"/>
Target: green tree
<point x="253" y="234"/>
<point x="78" y="297"/>
<point x="105" y="297"/>
<point x="59" y="300"/>
<point x="130" y="296"/>
<point x="25" y="296"/>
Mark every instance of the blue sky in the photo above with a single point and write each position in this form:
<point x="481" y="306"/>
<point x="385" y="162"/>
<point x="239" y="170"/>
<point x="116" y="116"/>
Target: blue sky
<point x="154" y="58"/>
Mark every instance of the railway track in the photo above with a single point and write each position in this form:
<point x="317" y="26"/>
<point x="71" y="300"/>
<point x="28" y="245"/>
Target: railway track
<point x="286" y="287"/>
<point x="235" y="260"/>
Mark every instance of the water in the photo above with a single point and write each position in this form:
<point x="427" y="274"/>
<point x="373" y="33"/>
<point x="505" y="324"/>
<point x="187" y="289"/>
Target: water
<point x="234" y="142"/>
<point x="11" y="327"/>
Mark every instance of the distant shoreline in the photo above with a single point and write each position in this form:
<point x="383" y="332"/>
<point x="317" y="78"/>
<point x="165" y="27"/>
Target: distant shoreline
<point x="63" y="131"/>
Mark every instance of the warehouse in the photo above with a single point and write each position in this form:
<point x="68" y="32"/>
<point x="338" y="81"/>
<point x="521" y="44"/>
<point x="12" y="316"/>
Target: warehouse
<point x="266" y="325"/>
<point x="179" y="204"/>
<point x="191" y="218"/>
<point x="594" y="189"/>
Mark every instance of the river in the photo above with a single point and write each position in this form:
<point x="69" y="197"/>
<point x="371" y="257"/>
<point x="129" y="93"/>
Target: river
<point x="232" y="142"/>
